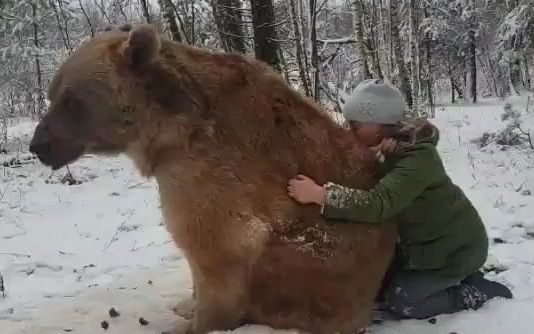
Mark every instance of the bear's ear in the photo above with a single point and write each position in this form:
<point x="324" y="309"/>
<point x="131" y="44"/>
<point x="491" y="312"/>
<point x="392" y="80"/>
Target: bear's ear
<point x="126" y="27"/>
<point x="142" y="47"/>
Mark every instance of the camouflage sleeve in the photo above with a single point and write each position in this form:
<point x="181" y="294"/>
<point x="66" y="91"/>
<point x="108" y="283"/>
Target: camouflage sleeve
<point x="393" y="193"/>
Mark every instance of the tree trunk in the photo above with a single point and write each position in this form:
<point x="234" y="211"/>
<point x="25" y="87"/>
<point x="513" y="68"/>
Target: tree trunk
<point x="514" y="74"/>
<point x="414" y="50"/>
<point x="193" y="19"/>
<point x="464" y="72"/>
<point x="314" y="52"/>
<point x="451" y="78"/>
<point x="283" y="66"/>
<point x="357" y="8"/>
<point x="62" y="31"/>
<point x="40" y="90"/>
<point x="299" y="50"/>
<point x="429" y="70"/>
<point x="455" y="82"/>
<point x="65" y="23"/>
<point x="528" y="83"/>
<point x="146" y="13"/>
<point x="473" y="70"/>
<point x="102" y="9"/>
<point x="305" y="41"/>
<point x="183" y="28"/>
<point x="399" y="55"/>
<point x="491" y="69"/>
<point x="265" y="37"/>
<point x="119" y="5"/>
<point x="430" y="80"/>
<point x="384" y="27"/>
<point x="167" y="10"/>
<point x="84" y="12"/>
<point x="229" y="23"/>
<point x="375" y="55"/>
<point x="473" y="54"/>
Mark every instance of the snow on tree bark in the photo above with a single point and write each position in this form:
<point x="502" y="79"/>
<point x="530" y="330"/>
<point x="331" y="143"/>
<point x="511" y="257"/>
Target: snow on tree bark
<point x="357" y="7"/>
<point x="399" y="54"/>
<point x="166" y="7"/>
<point x="414" y="54"/>
<point x="299" y="49"/>
<point x="265" y="36"/>
<point x="229" y="22"/>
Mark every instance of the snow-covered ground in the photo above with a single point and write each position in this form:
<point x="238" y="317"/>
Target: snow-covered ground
<point x="68" y="253"/>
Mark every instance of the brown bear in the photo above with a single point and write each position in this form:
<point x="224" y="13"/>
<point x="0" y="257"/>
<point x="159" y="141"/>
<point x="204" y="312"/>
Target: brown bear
<point x="221" y="134"/>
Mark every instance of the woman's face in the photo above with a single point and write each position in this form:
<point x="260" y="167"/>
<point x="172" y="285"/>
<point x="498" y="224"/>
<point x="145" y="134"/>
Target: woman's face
<point x="367" y="133"/>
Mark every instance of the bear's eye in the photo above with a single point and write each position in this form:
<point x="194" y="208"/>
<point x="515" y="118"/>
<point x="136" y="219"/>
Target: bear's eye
<point x="74" y="111"/>
<point x="69" y="102"/>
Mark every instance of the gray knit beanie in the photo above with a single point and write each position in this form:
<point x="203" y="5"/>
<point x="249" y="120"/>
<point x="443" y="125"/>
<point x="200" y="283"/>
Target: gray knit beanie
<point x="375" y="101"/>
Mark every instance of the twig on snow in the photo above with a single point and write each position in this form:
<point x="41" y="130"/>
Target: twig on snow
<point x="2" y="287"/>
<point x="518" y="189"/>
<point x="136" y="185"/>
<point x="136" y="248"/>
<point x="7" y="187"/>
<point x="17" y="255"/>
<point x="65" y="253"/>
<point x="151" y="244"/>
<point x="119" y="230"/>
<point x="22" y="232"/>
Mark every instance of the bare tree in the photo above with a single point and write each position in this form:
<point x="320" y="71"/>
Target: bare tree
<point x="265" y="36"/>
<point x="167" y="10"/>
<point x="528" y="83"/>
<point x="103" y="11"/>
<point x="192" y="39"/>
<point x="228" y="18"/>
<point x="38" y="72"/>
<point x="429" y="75"/>
<point x="414" y="51"/>
<point x="357" y="7"/>
<point x="472" y="52"/>
<point x="86" y="16"/>
<point x="299" y="49"/>
<point x="374" y="39"/>
<point x="315" y="83"/>
<point x="62" y="22"/>
<point x="399" y="53"/>
<point x="146" y="13"/>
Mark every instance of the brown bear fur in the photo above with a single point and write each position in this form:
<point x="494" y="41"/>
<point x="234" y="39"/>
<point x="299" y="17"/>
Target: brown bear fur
<point x="222" y="134"/>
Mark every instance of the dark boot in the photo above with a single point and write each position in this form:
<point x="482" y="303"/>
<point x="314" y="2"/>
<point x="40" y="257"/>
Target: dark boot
<point x="477" y="275"/>
<point x="468" y="297"/>
<point x="490" y="288"/>
<point x="475" y="290"/>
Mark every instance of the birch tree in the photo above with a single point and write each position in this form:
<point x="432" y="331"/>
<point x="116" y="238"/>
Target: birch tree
<point x="357" y="6"/>
<point x="398" y="52"/>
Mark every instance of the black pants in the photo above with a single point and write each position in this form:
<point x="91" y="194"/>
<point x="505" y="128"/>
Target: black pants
<point x="420" y="294"/>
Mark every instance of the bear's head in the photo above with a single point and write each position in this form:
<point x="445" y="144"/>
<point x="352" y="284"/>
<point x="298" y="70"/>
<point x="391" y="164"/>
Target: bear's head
<point x="88" y="111"/>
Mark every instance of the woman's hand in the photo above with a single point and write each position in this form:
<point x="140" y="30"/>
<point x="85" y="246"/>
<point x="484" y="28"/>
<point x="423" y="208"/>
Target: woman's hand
<point x="386" y="147"/>
<point x="305" y="191"/>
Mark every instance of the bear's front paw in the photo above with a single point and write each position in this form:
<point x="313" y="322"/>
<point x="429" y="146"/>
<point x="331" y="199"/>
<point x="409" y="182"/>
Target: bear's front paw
<point x="185" y="309"/>
<point x="184" y="328"/>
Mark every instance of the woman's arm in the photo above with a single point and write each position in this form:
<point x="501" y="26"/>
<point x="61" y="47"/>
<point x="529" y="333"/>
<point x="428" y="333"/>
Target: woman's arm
<point x="393" y="193"/>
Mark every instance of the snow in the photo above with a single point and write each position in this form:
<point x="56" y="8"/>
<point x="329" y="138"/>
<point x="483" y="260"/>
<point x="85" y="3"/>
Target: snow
<point x="68" y="253"/>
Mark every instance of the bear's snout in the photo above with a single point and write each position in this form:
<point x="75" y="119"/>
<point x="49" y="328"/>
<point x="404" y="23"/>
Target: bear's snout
<point x="52" y="151"/>
<point x="40" y="144"/>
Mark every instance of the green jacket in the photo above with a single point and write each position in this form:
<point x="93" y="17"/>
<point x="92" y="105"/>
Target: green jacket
<point x="439" y="229"/>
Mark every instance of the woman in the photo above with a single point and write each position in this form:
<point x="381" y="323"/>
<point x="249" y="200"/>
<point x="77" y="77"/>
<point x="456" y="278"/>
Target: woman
<point x="442" y="240"/>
